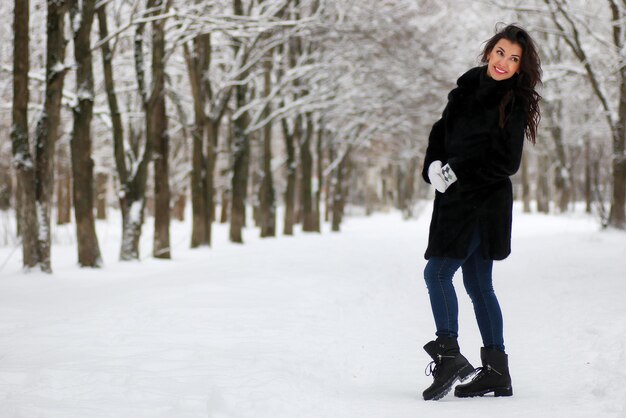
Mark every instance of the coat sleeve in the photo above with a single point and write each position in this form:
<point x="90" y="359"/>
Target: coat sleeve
<point x="496" y="162"/>
<point x="436" y="146"/>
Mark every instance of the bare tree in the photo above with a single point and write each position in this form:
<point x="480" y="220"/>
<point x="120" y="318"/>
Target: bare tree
<point x="157" y="132"/>
<point x="48" y="125"/>
<point x="267" y="200"/>
<point x="22" y="159"/>
<point x="82" y="14"/>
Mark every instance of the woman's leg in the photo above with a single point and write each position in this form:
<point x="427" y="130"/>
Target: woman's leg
<point x="438" y="276"/>
<point x="477" y="278"/>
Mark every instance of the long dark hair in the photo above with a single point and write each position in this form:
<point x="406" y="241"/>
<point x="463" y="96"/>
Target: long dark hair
<point x="528" y="78"/>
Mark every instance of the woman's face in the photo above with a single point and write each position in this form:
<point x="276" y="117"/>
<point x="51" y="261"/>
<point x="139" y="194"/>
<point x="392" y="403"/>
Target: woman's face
<point x="504" y="60"/>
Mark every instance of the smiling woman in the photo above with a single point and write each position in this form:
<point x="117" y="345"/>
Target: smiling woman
<point x="472" y="151"/>
<point x="504" y="60"/>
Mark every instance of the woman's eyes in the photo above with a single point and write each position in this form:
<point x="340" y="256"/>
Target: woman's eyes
<point x="515" y="59"/>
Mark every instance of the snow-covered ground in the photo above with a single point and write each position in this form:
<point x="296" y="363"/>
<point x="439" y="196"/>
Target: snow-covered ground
<point x="328" y="325"/>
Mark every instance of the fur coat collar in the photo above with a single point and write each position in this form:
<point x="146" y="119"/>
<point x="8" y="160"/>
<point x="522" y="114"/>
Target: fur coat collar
<point x="487" y="90"/>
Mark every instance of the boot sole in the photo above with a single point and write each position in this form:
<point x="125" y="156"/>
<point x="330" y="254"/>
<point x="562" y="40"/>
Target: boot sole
<point x="497" y="392"/>
<point x="461" y="376"/>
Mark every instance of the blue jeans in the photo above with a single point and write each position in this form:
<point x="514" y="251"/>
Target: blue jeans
<point x="477" y="279"/>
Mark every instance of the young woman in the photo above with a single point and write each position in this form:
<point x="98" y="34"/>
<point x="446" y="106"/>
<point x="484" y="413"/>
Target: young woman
<point x="472" y="151"/>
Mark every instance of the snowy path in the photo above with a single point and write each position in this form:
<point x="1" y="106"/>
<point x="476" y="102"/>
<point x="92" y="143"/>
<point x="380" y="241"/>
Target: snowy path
<point x="327" y="325"/>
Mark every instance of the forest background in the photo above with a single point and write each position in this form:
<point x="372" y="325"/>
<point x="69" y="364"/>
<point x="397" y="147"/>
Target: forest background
<point x="224" y="111"/>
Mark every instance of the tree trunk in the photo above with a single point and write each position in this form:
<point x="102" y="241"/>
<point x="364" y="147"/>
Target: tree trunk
<point x="267" y="201"/>
<point x="132" y="179"/>
<point x="178" y="209"/>
<point x="331" y="179"/>
<point x="588" y="180"/>
<point x="22" y="158"/>
<point x="197" y="65"/>
<point x="225" y="206"/>
<point x="82" y="164"/>
<point x="240" y="148"/>
<point x="543" y="188"/>
<point x="320" y="178"/>
<point x="290" y="190"/>
<point x="339" y="192"/>
<point x="64" y="187"/>
<point x="239" y="185"/>
<point x="156" y="117"/>
<point x="409" y="187"/>
<point x="102" y="182"/>
<point x="206" y="135"/>
<point x="6" y="186"/>
<point x="161" y="247"/>
<point x="306" y="180"/>
<point x="525" y="182"/>
<point x="212" y="132"/>
<point x="48" y="126"/>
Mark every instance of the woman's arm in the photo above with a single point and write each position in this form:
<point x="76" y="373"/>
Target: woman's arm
<point x="436" y="147"/>
<point x="499" y="161"/>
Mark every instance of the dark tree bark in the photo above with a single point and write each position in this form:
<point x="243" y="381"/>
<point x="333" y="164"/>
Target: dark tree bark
<point x="543" y="188"/>
<point x="209" y="109"/>
<point x="241" y="163"/>
<point x="132" y="179"/>
<point x="339" y="193"/>
<point x="156" y="119"/>
<point x="80" y="144"/>
<point x="267" y="201"/>
<point x="178" y="209"/>
<point x="48" y="125"/>
<point x="408" y="191"/>
<point x="241" y="151"/>
<point x="64" y="186"/>
<point x="306" y="179"/>
<point x="22" y="158"/>
<point x="6" y="186"/>
<point x="588" y="180"/>
<point x="290" y="190"/>
<point x="320" y="177"/>
<point x="102" y="181"/>
<point x="197" y="65"/>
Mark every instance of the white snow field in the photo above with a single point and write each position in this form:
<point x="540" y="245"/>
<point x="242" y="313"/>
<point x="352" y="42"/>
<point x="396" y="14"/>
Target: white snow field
<point x="319" y="325"/>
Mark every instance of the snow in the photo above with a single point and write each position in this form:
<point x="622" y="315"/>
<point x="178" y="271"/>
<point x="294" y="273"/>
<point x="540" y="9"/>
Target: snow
<point x="318" y="325"/>
<point x="41" y="221"/>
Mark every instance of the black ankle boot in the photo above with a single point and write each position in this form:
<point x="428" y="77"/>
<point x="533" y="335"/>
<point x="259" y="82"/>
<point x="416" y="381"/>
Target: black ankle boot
<point x="492" y="377"/>
<point x="447" y="367"/>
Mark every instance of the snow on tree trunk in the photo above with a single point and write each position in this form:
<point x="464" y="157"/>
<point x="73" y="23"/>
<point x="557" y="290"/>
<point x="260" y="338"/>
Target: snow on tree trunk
<point x="132" y="221"/>
<point x="48" y="125"/>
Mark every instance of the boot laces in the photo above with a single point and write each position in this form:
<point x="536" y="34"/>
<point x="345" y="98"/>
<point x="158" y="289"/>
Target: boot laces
<point x="432" y="368"/>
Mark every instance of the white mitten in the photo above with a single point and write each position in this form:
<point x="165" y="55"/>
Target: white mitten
<point x="435" y="177"/>
<point x="441" y="177"/>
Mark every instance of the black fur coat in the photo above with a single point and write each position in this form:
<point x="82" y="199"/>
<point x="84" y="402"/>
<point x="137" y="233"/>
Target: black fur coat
<point x="483" y="156"/>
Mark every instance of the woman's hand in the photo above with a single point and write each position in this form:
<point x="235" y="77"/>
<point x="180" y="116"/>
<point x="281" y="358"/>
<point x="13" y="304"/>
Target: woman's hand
<point x="441" y="177"/>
